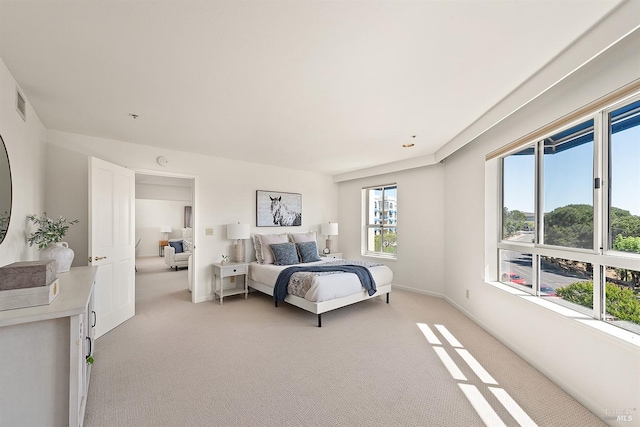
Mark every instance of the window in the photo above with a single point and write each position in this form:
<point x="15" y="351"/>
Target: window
<point x="567" y="172"/>
<point x="381" y="220"/>
<point x="624" y="175"/>
<point x="516" y="270"/>
<point x="570" y="216"/>
<point x="518" y="195"/>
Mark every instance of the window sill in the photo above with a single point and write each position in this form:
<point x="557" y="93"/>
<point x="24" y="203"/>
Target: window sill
<point x="380" y="256"/>
<point x="598" y="325"/>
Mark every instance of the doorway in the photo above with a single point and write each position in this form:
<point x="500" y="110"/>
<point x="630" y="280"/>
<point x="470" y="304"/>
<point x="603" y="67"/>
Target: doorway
<point x="165" y="213"/>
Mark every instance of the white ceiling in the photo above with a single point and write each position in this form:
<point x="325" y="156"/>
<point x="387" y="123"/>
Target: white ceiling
<point x="327" y="86"/>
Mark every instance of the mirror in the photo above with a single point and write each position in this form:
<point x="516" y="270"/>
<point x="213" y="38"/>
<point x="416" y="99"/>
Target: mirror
<point x="5" y="191"/>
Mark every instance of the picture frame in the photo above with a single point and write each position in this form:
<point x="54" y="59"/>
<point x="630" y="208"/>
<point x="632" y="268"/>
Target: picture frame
<point x="278" y="209"/>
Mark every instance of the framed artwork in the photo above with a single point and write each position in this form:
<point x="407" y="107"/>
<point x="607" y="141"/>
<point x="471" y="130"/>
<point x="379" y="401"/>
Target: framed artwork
<point x="277" y="209"/>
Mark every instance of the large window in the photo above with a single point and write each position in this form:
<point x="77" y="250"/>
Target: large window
<point x="570" y="216"/>
<point x="381" y="220"/>
<point x="567" y="180"/>
<point x="624" y="175"/>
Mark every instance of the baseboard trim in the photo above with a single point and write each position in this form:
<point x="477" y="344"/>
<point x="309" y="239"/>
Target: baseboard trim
<point x="203" y="299"/>
<point x="417" y="291"/>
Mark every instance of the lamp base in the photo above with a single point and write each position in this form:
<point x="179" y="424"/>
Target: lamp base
<point x="328" y="245"/>
<point x="239" y="251"/>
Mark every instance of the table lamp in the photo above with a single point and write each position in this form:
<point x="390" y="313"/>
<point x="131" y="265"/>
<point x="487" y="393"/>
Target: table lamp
<point x="330" y="229"/>
<point x="238" y="232"/>
<point x="166" y="229"/>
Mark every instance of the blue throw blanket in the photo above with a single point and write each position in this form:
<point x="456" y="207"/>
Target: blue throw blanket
<point x="363" y="273"/>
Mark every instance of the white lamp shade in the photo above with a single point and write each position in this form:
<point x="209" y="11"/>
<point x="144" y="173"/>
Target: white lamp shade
<point x="329" y="229"/>
<point x="165" y="229"/>
<point x="237" y="231"/>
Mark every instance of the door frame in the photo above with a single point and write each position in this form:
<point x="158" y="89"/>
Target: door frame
<point x="195" y="218"/>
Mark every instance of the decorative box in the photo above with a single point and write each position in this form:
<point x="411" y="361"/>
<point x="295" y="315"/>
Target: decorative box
<point x="27" y="274"/>
<point x="29" y="297"/>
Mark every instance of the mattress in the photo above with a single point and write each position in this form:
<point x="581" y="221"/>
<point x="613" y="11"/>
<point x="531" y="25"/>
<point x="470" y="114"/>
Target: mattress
<point x="324" y="287"/>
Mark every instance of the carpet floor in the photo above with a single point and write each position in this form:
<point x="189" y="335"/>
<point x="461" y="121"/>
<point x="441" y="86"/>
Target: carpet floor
<point x="416" y="361"/>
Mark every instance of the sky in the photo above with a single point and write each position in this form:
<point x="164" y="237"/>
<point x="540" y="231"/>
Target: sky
<point x="569" y="176"/>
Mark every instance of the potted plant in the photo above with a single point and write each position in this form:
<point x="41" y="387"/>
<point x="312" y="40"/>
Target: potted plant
<point x="48" y="236"/>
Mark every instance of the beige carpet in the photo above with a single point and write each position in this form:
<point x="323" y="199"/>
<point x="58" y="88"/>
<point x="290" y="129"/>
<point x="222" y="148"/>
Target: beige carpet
<point x="247" y="363"/>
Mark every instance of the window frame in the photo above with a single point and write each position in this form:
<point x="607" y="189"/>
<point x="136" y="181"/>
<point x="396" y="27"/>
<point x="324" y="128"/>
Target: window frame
<point x="601" y="256"/>
<point x="367" y="226"/>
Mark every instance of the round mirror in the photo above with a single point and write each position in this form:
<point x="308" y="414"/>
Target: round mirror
<point x="5" y="191"/>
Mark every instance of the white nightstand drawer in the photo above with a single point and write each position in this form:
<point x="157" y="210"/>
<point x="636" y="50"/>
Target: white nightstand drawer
<point x="233" y="270"/>
<point x="335" y="255"/>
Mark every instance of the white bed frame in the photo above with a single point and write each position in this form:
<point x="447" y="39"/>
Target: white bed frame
<point x="322" y="307"/>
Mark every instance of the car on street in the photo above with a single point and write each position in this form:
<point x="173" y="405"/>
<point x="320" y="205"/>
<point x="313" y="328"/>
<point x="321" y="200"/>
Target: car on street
<point x="547" y="291"/>
<point x="513" y="278"/>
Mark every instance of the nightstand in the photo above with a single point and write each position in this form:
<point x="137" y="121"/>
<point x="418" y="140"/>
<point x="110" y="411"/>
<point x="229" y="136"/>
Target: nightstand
<point x="233" y="270"/>
<point x="336" y="255"/>
<point x="161" y="245"/>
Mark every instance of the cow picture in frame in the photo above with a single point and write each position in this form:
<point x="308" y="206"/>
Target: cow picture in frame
<point x="278" y="209"/>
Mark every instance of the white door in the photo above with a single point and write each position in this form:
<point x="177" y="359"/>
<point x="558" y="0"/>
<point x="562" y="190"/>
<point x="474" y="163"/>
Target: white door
<point x="111" y="242"/>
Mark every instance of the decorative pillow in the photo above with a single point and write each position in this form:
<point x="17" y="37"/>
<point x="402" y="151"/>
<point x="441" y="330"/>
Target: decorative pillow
<point x="308" y="251"/>
<point x="265" y="241"/>
<point x="177" y="245"/>
<point x="187" y="245"/>
<point x="257" y="246"/>
<point x="309" y="236"/>
<point x="284" y="253"/>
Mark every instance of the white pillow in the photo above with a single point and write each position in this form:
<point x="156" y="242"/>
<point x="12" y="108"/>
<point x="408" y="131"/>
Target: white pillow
<point x="265" y="241"/>
<point x="307" y="236"/>
<point x="257" y="246"/>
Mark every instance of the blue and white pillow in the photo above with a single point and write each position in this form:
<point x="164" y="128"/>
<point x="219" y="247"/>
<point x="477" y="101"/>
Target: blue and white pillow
<point x="308" y="251"/>
<point x="284" y="253"/>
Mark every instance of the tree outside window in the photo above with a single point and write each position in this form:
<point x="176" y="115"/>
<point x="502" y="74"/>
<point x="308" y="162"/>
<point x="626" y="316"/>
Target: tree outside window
<point x="381" y="220"/>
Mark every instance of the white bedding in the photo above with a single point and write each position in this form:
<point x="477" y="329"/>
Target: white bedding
<point x="324" y="287"/>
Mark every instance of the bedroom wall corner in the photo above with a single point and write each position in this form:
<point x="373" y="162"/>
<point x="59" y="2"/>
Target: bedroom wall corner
<point x="420" y="259"/>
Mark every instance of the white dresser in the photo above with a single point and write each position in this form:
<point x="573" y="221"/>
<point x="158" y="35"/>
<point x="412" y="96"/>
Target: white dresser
<point x="43" y="369"/>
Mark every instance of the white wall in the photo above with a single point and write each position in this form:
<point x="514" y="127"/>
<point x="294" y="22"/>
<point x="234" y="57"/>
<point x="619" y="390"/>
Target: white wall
<point x="150" y="215"/>
<point x="225" y="191"/>
<point x="164" y="192"/>
<point x="420" y="258"/>
<point x="600" y="371"/>
<point x="25" y="142"/>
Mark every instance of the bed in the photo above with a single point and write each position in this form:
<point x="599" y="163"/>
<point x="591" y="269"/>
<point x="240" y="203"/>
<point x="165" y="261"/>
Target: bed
<point x="317" y="293"/>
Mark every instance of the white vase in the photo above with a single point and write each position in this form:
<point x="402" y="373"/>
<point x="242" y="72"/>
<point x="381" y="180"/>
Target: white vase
<point x="61" y="253"/>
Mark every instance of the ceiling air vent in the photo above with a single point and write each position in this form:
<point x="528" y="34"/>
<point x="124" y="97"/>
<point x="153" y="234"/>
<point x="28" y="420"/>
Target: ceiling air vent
<point x="21" y="105"/>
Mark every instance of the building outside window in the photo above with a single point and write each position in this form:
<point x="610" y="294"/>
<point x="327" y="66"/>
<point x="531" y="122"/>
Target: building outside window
<point x="381" y="220"/>
<point x="570" y="216"/>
